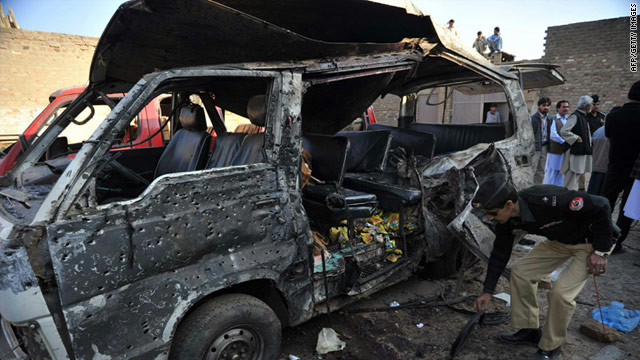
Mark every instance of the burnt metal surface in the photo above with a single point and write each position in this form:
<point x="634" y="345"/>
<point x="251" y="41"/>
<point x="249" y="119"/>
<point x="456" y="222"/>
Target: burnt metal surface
<point x="447" y="197"/>
<point x="128" y="272"/>
<point x="203" y="32"/>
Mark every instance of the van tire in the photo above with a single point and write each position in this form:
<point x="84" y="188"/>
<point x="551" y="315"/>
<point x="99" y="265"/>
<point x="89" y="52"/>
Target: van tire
<point x="456" y="258"/>
<point x="228" y="323"/>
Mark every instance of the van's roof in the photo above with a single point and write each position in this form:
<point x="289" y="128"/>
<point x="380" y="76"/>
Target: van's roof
<point x="144" y="36"/>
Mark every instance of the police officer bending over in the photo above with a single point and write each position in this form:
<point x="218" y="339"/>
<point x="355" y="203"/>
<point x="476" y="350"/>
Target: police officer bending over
<point x="577" y="226"/>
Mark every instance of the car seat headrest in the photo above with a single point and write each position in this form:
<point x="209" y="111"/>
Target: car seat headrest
<point x="192" y="118"/>
<point x="257" y="110"/>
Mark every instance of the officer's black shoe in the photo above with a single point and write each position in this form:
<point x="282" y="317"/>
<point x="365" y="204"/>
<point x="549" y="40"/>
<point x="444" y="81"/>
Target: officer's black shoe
<point x="546" y="354"/>
<point x="522" y="336"/>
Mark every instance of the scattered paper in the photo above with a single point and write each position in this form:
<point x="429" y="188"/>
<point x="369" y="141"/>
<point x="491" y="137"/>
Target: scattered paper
<point x="293" y="357"/>
<point x="394" y="304"/>
<point x="420" y="325"/>
<point x="328" y="341"/>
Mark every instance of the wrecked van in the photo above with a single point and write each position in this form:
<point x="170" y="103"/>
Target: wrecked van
<point x="184" y="252"/>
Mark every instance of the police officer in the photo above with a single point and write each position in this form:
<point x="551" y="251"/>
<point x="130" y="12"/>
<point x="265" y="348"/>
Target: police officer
<point x="577" y="226"/>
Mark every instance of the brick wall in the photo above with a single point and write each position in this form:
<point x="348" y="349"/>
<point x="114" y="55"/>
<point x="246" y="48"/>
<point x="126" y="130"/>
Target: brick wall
<point x="33" y="64"/>
<point x="387" y="109"/>
<point x="594" y="58"/>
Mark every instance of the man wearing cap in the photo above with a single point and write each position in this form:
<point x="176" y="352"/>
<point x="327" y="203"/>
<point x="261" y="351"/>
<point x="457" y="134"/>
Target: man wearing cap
<point x="577" y="226"/>
<point x="622" y="129"/>
<point x="595" y="118"/>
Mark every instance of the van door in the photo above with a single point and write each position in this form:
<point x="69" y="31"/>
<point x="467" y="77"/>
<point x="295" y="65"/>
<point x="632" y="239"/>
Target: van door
<point x="128" y="271"/>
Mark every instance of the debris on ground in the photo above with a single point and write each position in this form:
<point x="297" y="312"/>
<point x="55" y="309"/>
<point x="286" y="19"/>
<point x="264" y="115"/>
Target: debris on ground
<point x="594" y="330"/>
<point x="293" y="357"/>
<point x="465" y="333"/>
<point x="420" y="325"/>
<point x="328" y="341"/>
<point x="396" y="336"/>
<point x="615" y="315"/>
<point x="609" y="352"/>
<point x="394" y="304"/>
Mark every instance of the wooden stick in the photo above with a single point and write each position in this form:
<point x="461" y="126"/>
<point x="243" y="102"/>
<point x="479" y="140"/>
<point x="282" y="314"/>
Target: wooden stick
<point x="595" y="283"/>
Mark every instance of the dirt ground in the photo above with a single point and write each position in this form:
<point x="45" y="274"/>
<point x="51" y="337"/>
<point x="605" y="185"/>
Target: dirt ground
<point x="394" y="334"/>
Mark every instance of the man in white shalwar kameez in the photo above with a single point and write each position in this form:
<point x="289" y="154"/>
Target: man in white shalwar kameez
<point x="577" y="160"/>
<point x="552" y="174"/>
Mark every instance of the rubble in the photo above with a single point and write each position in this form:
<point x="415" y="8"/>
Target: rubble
<point x="593" y="329"/>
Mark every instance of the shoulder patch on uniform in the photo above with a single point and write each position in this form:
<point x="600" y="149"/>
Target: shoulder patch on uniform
<point x="576" y="204"/>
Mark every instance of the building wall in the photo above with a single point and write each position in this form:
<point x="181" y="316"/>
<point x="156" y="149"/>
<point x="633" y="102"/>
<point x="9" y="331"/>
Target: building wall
<point x="387" y="109"/>
<point x="33" y="64"/>
<point x="594" y="58"/>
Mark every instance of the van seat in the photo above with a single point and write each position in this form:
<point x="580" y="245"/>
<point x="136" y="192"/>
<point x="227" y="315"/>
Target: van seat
<point x="456" y="137"/>
<point x="225" y="149"/>
<point x="189" y="146"/>
<point x="329" y="203"/>
<point x="251" y="151"/>
<point x="391" y="193"/>
<point x="368" y="150"/>
<point x="413" y="142"/>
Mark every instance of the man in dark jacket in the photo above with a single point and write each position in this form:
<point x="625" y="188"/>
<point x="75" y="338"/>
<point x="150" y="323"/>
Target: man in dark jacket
<point x="577" y="226"/>
<point x="541" y="130"/>
<point x="622" y="129"/>
<point x="595" y="117"/>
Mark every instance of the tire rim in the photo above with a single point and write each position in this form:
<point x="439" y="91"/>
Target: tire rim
<point x="240" y="343"/>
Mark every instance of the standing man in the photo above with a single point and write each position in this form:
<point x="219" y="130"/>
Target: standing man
<point x="552" y="174"/>
<point x="600" y="147"/>
<point x="541" y="129"/>
<point x="451" y="28"/>
<point x="495" y="41"/>
<point x="577" y="160"/>
<point x="622" y="128"/>
<point x="493" y="116"/>
<point x="480" y="44"/>
<point x="564" y="217"/>
<point x="596" y="117"/>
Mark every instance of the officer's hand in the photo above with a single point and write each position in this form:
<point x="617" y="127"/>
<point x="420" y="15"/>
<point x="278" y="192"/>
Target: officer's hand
<point x="596" y="264"/>
<point x="579" y="139"/>
<point x="482" y="302"/>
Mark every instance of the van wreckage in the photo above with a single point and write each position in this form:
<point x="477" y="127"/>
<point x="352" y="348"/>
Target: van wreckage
<point x="181" y="252"/>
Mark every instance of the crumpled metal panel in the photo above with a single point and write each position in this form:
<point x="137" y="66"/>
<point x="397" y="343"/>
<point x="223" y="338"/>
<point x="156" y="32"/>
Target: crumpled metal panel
<point x="199" y="32"/>
<point x="447" y="201"/>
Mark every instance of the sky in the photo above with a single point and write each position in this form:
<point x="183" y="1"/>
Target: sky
<point x="522" y="23"/>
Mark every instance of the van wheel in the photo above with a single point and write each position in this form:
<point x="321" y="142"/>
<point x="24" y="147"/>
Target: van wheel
<point x="231" y="326"/>
<point x="458" y="257"/>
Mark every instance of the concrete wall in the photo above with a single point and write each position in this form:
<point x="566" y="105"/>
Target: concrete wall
<point x="33" y="64"/>
<point x="594" y="58"/>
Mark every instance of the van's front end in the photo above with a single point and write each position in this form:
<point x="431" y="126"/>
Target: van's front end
<point x="28" y="328"/>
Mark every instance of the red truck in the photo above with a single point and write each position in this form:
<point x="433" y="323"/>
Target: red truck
<point x="144" y="131"/>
